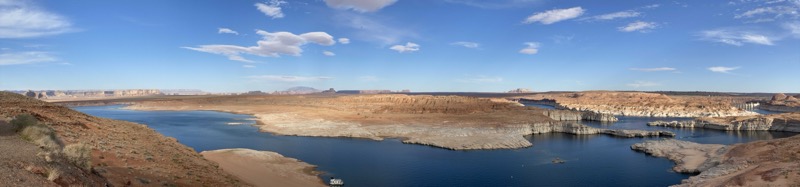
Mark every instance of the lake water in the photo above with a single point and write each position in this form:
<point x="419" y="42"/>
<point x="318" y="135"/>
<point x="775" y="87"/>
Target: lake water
<point x="591" y="160"/>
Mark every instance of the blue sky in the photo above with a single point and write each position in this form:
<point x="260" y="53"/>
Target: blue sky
<point x="422" y="45"/>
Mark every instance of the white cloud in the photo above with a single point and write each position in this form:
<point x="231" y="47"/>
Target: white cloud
<point x="344" y="40"/>
<point x="248" y="66"/>
<point x="653" y="69"/>
<point x="21" y="19"/>
<point x="288" y="78"/>
<point x="555" y="15"/>
<point x="271" y="45"/>
<point x="481" y="79"/>
<point x="638" y="84"/>
<point x="638" y="26"/>
<point x="722" y="69"/>
<point x="273" y="9"/>
<point x="27" y="57"/>
<point x="793" y="28"/>
<point x="373" y="28"/>
<point x="651" y="6"/>
<point x="466" y="44"/>
<point x="227" y="31"/>
<point x="368" y="79"/>
<point x="360" y="5"/>
<point x="618" y="15"/>
<point x="532" y="48"/>
<point x="328" y="53"/>
<point x="735" y="37"/>
<point x="409" y="47"/>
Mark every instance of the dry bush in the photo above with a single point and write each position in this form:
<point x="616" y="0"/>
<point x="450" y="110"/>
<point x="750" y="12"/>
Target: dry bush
<point x="79" y="154"/>
<point x="22" y="121"/>
<point x="54" y="173"/>
<point x="43" y="136"/>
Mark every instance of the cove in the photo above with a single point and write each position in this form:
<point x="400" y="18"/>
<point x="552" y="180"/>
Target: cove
<point x="591" y="160"/>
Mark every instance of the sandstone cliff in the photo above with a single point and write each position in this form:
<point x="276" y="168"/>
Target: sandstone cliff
<point x="789" y="122"/>
<point x="643" y="104"/>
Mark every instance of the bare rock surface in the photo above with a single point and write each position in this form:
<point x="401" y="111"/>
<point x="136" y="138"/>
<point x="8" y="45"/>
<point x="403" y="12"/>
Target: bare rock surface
<point x="761" y="163"/>
<point x="788" y="122"/>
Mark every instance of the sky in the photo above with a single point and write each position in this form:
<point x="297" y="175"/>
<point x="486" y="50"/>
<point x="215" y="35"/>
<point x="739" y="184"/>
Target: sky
<point x="421" y="45"/>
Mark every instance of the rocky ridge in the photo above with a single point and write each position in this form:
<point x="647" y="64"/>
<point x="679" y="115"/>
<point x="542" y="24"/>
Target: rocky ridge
<point x="642" y="104"/>
<point x="788" y="122"/>
<point x="761" y="163"/>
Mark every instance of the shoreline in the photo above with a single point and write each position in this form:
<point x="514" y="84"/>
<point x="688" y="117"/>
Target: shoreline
<point x="265" y="168"/>
<point x="453" y="138"/>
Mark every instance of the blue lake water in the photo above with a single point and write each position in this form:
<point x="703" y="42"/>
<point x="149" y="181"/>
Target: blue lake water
<point x="592" y="160"/>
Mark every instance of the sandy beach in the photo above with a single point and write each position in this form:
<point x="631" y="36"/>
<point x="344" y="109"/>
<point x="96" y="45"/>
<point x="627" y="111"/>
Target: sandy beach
<point x="264" y="168"/>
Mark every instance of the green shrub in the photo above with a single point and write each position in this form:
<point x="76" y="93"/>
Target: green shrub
<point x="23" y="120"/>
<point x="43" y="136"/>
<point x="79" y="154"/>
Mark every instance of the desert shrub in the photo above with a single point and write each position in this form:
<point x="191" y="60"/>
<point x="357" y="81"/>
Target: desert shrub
<point x="43" y="136"/>
<point x="23" y="120"/>
<point x="54" y="173"/>
<point x="79" y="154"/>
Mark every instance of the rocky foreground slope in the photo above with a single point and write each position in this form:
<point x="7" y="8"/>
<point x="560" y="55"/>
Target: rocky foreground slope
<point x="122" y="153"/>
<point x="788" y="122"/>
<point x="761" y="163"/>
<point x="642" y="104"/>
<point x="452" y="122"/>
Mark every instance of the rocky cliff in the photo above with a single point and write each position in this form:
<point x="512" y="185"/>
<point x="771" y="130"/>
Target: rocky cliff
<point x="123" y="153"/>
<point x="569" y="115"/>
<point x="643" y="104"/>
<point x="789" y="122"/>
<point x="761" y="163"/>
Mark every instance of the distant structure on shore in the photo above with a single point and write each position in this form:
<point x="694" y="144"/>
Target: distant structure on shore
<point x="520" y="90"/>
<point x="184" y="92"/>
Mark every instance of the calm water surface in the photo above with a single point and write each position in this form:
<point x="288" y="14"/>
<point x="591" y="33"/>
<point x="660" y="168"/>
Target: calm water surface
<point x="592" y="160"/>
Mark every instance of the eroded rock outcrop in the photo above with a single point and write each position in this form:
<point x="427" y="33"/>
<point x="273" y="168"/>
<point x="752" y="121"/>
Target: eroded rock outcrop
<point x="642" y="104"/>
<point x="789" y="122"/>
<point x="569" y="115"/>
<point x="689" y="157"/>
<point x="760" y="163"/>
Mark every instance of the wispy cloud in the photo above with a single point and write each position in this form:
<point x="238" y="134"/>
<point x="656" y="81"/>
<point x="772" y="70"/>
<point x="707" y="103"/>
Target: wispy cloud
<point x="555" y="15"/>
<point x="271" y="45"/>
<point x="288" y="78"/>
<point x="735" y="37"/>
<point x="639" y="84"/>
<point x="328" y="53"/>
<point x="533" y="48"/>
<point x="640" y="26"/>
<point x="227" y="31"/>
<point x="360" y="5"/>
<point x="344" y="40"/>
<point x="481" y="79"/>
<point x="271" y="9"/>
<point x="722" y="69"/>
<point x="373" y="28"/>
<point x="793" y="28"/>
<point x="248" y="66"/>
<point x="27" y="57"/>
<point x="409" y="47"/>
<point x="466" y="44"/>
<point x="653" y="69"/>
<point x="23" y="19"/>
<point x="617" y="15"/>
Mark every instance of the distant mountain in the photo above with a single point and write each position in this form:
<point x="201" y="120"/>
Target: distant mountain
<point x="298" y="90"/>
